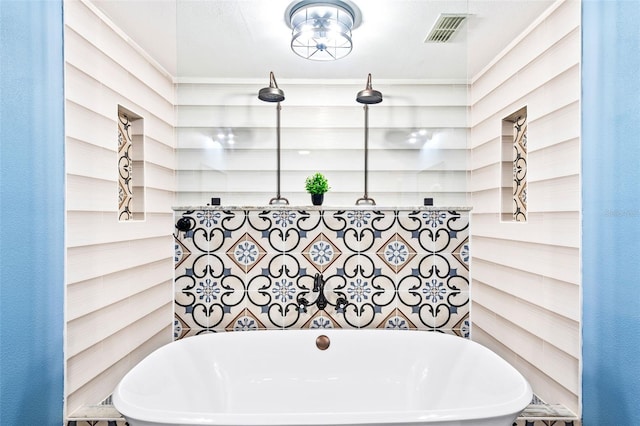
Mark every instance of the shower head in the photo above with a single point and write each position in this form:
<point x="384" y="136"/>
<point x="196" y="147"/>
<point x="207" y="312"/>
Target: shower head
<point x="368" y="95"/>
<point x="271" y="93"/>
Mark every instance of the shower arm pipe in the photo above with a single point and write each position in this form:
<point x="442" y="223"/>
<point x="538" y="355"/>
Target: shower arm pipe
<point x="365" y="199"/>
<point x="278" y="199"/>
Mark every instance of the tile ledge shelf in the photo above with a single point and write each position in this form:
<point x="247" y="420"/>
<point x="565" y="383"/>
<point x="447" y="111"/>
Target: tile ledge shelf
<point x="326" y="208"/>
<point x="538" y="413"/>
<point x="108" y="415"/>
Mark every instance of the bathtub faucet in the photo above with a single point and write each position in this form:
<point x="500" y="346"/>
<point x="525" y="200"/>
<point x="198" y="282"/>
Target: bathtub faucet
<point x="321" y="301"/>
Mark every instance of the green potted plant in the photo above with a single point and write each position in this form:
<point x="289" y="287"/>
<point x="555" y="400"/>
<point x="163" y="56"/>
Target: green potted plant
<point x="317" y="185"/>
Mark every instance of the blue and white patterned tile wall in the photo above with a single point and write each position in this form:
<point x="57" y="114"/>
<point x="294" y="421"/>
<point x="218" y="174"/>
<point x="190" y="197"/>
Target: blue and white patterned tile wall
<point x="249" y="269"/>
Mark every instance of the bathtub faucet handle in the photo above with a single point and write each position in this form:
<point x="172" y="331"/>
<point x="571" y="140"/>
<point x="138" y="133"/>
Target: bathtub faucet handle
<point x="302" y="305"/>
<point x="320" y="300"/>
<point x="318" y="284"/>
<point x="318" y="287"/>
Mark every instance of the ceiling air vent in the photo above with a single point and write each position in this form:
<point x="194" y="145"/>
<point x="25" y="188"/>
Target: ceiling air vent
<point x="445" y="27"/>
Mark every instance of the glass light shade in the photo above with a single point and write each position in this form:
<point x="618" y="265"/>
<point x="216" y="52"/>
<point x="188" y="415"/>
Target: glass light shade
<point x="322" y="30"/>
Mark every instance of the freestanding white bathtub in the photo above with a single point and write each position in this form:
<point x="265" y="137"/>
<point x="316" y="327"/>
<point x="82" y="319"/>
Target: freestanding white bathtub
<point x="364" y="377"/>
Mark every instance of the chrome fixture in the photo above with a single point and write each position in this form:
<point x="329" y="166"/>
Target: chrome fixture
<point x="274" y="94"/>
<point x="321" y="30"/>
<point x="367" y="96"/>
<point x="321" y="301"/>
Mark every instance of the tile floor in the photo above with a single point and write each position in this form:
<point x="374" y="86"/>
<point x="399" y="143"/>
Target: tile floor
<point x="537" y="414"/>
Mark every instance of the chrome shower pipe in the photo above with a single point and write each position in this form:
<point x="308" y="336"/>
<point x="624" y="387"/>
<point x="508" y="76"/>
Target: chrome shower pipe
<point x="365" y="199"/>
<point x="278" y="199"/>
<point x="274" y="94"/>
<point x="367" y="96"/>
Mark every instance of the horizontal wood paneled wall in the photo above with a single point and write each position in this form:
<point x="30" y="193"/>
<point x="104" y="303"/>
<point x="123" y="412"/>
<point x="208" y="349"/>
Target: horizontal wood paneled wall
<point x="227" y="143"/>
<point x="119" y="274"/>
<point x="526" y="280"/>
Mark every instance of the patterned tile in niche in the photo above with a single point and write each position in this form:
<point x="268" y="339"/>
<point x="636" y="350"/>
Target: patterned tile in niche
<point x="246" y="252"/>
<point x="520" y="169"/>
<point x="125" y="168"/>
<point x="321" y="252"/>
<point x="396" y="253"/>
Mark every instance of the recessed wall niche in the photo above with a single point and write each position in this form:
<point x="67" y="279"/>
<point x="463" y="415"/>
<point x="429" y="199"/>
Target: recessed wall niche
<point x="514" y="167"/>
<point x="131" y="189"/>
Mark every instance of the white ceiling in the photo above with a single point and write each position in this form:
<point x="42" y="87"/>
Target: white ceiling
<point x="245" y="39"/>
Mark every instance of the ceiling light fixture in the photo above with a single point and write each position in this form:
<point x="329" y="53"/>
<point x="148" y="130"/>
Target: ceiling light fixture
<point x="321" y="30"/>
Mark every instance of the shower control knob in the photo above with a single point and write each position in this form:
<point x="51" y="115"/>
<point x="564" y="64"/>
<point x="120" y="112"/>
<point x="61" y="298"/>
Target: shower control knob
<point x="185" y="224"/>
<point x="302" y="305"/>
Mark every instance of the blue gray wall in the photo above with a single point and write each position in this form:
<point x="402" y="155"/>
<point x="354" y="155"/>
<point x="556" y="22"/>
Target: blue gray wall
<point x="611" y="212"/>
<point x="32" y="213"/>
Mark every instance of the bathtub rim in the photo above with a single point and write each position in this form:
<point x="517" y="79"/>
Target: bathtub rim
<point x="510" y="408"/>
